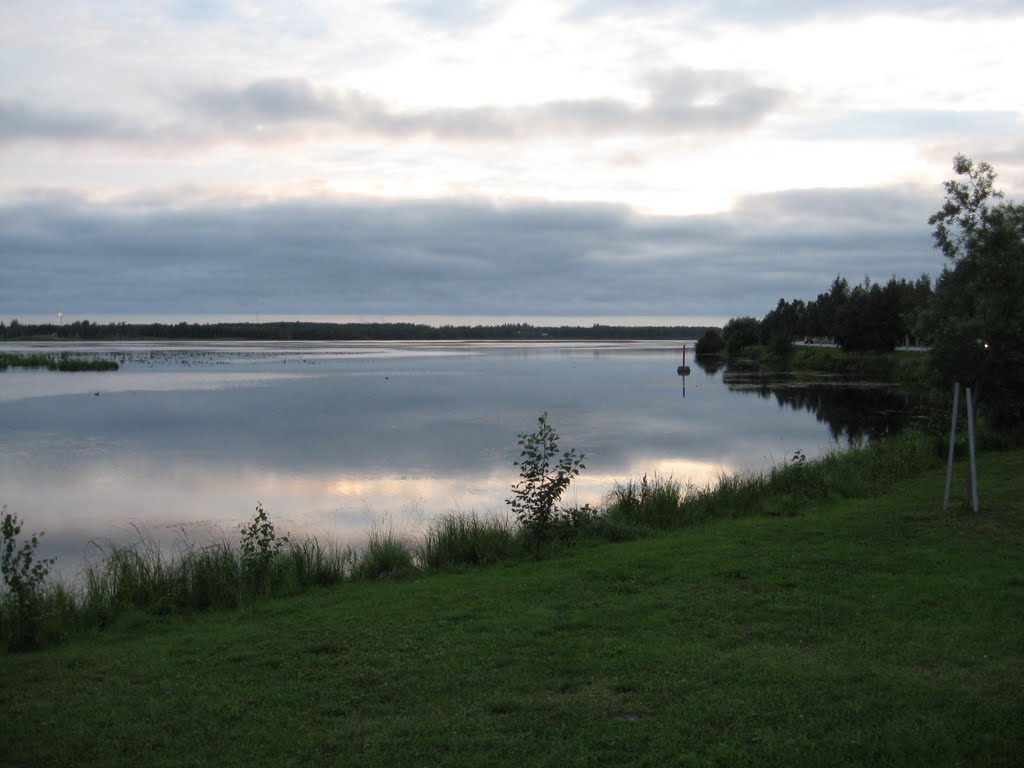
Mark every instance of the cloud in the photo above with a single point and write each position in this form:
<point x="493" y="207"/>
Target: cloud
<point x="453" y="257"/>
<point x="919" y="124"/>
<point x="23" y="121"/>
<point x="787" y="11"/>
<point x="450" y="14"/>
<point x="277" y="100"/>
<point x="680" y="102"/>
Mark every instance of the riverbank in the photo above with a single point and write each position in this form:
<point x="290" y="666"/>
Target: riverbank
<point x="905" y="367"/>
<point x="224" y="574"/>
<point x="877" y="630"/>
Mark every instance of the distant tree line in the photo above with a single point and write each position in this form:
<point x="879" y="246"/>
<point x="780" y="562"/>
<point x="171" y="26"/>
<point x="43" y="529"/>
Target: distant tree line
<point x="869" y="316"/>
<point x="973" y="319"/>
<point x="83" y="330"/>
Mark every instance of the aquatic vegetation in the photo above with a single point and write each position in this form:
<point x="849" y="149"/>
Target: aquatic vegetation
<point x="62" y="362"/>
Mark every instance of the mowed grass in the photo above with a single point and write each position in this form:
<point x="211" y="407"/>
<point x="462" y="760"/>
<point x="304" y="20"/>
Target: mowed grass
<point x="870" y="631"/>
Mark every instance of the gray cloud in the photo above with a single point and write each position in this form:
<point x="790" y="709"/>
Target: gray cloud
<point x="454" y="257"/>
<point x="680" y="102"/>
<point x="22" y="121"/>
<point x="282" y="100"/>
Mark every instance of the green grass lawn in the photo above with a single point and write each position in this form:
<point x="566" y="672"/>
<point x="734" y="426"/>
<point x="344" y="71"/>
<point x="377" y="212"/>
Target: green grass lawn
<point x="878" y="631"/>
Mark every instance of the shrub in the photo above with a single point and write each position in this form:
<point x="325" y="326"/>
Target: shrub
<point x="574" y="523"/>
<point x="711" y="343"/>
<point x="260" y="546"/>
<point x="741" y="332"/>
<point x="24" y="577"/>
<point x="545" y="477"/>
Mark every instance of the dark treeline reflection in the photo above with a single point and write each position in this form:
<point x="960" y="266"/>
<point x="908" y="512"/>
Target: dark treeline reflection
<point x="853" y="410"/>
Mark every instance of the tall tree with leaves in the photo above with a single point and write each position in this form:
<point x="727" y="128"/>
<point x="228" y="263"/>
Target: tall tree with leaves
<point x="964" y="216"/>
<point x="976" y="321"/>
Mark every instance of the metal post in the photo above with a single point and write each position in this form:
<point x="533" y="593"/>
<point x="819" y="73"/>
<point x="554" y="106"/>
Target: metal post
<point x="970" y="441"/>
<point x="952" y="442"/>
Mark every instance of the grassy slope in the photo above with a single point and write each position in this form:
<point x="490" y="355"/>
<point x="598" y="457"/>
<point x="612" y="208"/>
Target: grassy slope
<point x="871" y="631"/>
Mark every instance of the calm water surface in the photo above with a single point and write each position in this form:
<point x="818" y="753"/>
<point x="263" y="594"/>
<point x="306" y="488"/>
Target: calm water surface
<point x="187" y="438"/>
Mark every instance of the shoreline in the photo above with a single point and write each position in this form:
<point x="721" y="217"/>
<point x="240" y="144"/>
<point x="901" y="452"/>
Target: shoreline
<point x="875" y="630"/>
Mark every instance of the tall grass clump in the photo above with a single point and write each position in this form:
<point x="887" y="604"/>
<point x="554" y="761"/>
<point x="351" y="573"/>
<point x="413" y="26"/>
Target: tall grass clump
<point x="786" y="488"/>
<point x="800" y="483"/>
<point x="387" y="556"/>
<point x="457" y="539"/>
<point x="309" y="563"/>
<point x="140" y="576"/>
<point x="649" y="502"/>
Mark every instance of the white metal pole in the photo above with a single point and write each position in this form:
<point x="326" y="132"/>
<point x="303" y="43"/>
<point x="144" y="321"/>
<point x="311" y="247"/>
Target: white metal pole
<point x="970" y="442"/>
<point x="952" y="442"/>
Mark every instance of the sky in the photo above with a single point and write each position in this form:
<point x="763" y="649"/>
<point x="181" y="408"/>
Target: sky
<point x="478" y="160"/>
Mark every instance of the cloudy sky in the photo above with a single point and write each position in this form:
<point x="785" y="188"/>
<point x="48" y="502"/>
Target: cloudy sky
<point x="469" y="159"/>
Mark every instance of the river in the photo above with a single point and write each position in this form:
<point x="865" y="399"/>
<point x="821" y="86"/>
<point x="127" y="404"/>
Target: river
<point x="331" y="438"/>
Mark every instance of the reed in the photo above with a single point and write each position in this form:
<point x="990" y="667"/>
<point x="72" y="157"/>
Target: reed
<point x="650" y="502"/>
<point x="141" y="579"/>
<point x="387" y="556"/>
<point x="787" y="488"/>
<point x="310" y="563"/>
<point x="461" y="539"/>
